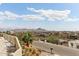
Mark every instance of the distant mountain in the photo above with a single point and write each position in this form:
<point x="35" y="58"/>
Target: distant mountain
<point x="4" y="29"/>
<point x="24" y="30"/>
<point x="40" y="30"/>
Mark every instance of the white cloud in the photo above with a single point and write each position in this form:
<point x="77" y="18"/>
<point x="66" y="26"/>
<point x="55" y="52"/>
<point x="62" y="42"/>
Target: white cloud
<point x="52" y="14"/>
<point x="32" y="17"/>
<point x="8" y="15"/>
<point x="13" y="16"/>
<point x="72" y="19"/>
<point x="2" y="16"/>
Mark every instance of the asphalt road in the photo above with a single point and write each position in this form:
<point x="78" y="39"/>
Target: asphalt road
<point x="58" y="49"/>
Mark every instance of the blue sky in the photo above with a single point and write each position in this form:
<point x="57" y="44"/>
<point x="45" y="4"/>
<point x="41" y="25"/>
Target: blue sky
<point x="50" y="16"/>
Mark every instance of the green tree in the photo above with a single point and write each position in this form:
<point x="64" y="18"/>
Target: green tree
<point x="27" y="38"/>
<point x="52" y="39"/>
<point x="7" y="32"/>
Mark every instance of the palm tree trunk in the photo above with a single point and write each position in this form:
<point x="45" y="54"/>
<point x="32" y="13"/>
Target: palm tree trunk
<point x="27" y="44"/>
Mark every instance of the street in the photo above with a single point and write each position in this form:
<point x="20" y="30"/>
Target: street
<point x="57" y="49"/>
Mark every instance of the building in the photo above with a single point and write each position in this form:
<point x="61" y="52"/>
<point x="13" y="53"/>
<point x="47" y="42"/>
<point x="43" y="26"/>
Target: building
<point x="63" y="42"/>
<point x="73" y="43"/>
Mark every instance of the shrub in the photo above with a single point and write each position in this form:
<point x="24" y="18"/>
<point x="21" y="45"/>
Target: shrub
<point x="53" y="39"/>
<point x="30" y="51"/>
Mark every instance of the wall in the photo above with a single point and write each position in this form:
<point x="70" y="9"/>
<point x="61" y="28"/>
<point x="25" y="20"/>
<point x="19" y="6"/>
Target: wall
<point x="14" y="40"/>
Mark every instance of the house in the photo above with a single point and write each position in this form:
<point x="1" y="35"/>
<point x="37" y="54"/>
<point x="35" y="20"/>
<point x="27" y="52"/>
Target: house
<point x="63" y="42"/>
<point x="73" y="43"/>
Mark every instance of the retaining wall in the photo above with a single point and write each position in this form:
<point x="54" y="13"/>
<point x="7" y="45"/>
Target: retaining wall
<point x="15" y="42"/>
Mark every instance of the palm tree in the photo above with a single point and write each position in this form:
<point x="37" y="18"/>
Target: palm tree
<point x="27" y="38"/>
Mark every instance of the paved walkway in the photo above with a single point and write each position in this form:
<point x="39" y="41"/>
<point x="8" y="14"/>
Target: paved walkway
<point x="3" y="46"/>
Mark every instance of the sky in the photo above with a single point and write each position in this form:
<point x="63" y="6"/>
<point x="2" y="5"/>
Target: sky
<point x="49" y="16"/>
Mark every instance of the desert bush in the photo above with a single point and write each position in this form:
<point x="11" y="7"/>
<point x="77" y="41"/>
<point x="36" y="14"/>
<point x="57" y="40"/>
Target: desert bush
<point x="30" y="51"/>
